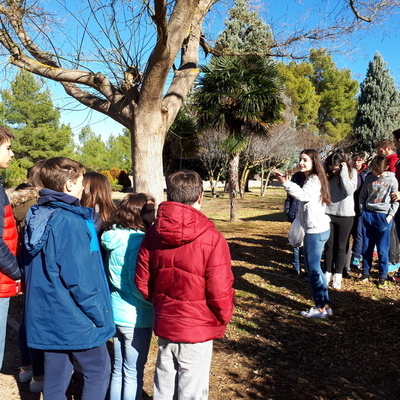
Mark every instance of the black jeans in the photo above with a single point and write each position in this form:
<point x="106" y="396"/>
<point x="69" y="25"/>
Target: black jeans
<point x="337" y="245"/>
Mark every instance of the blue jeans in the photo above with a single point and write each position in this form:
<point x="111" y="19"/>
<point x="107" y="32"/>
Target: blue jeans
<point x="58" y="369"/>
<point x="313" y="247"/>
<point x="131" y="346"/>
<point x="358" y="237"/>
<point x="376" y="233"/>
<point x="297" y="258"/>
<point x="4" y="303"/>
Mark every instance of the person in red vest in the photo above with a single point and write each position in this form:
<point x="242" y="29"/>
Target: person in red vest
<point x="10" y="273"/>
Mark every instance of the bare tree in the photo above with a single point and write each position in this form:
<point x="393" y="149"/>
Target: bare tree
<point x="133" y="61"/>
<point x="214" y="158"/>
<point x="115" y="38"/>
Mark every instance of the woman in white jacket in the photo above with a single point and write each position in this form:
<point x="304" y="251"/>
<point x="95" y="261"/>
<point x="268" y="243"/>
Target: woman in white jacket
<point x="314" y="196"/>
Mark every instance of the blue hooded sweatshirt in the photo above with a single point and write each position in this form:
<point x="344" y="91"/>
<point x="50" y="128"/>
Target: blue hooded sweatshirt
<point x="67" y="302"/>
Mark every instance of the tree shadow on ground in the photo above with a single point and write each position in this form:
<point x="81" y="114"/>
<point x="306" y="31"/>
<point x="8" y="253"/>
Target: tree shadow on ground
<point x="353" y="355"/>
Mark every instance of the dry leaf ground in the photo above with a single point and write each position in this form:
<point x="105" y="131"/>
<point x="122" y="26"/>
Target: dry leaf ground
<point x="269" y="351"/>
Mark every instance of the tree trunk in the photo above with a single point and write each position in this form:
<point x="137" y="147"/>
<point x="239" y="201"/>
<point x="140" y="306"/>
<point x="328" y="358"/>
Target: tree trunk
<point x="262" y="180"/>
<point x="147" y="162"/>
<point x="244" y="179"/>
<point x="233" y="184"/>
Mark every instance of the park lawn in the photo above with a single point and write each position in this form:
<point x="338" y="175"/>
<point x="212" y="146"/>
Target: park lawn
<point x="269" y="350"/>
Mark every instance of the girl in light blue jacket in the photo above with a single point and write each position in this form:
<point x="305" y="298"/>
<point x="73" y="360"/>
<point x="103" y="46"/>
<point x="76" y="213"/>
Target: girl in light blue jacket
<point x="133" y="315"/>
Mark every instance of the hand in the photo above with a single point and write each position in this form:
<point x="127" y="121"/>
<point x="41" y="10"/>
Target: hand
<point x="395" y="196"/>
<point x="282" y="178"/>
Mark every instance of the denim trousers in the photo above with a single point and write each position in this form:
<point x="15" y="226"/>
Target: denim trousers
<point x="131" y="346"/>
<point x="182" y="370"/>
<point x="297" y="258"/>
<point x="4" y="304"/>
<point x="58" y="368"/>
<point x="394" y="245"/>
<point x="313" y="248"/>
<point x="376" y="233"/>
<point x="357" y="233"/>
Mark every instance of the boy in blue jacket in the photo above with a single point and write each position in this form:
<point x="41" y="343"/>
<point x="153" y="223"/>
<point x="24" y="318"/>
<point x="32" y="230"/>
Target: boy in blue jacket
<point x="68" y="308"/>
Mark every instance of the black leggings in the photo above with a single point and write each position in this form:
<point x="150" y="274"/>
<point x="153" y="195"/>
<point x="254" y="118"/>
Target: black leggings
<point x="337" y="245"/>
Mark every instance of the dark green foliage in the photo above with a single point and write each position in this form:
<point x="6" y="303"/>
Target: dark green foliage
<point x="244" y="31"/>
<point x="29" y="111"/>
<point x="236" y="91"/>
<point x="337" y="91"/>
<point x="378" y="109"/>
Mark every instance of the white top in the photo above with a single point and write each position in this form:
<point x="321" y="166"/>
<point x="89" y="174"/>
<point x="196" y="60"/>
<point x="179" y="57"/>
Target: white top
<point x="311" y="212"/>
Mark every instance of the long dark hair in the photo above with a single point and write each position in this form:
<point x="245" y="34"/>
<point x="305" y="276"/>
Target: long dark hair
<point x="128" y="214"/>
<point x="335" y="159"/>
<point x="318" y="169"/>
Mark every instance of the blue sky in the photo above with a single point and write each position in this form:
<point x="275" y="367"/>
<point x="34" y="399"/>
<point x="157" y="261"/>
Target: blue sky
<point x="352" y="52"/>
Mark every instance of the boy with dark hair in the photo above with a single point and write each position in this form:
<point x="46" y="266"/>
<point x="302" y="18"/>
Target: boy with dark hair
<point x="184" y="269"/>
<point x="68" y="308"/>
<point x="9" y="270"/>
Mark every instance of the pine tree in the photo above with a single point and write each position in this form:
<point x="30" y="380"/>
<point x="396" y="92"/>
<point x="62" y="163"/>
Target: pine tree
<point x="241" y="90"/>
<point x="92" y="151"/>
<point x="337" y="92"/>
<point x="28" y="109"/>
<point x="300" y="89"/>
<point x="378" y="107"/>
<point x="244" y="31"/>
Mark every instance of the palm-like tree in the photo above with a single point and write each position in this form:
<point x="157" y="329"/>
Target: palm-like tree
<point x="240" y="94"/>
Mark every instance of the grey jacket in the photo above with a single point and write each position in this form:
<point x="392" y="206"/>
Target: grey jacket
<point x="342" y="189"/>
<point x="375" y="194"/>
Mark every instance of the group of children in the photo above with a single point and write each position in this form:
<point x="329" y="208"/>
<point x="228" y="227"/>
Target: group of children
<point x="335" y="199"/>
<point x="93" y="271"/>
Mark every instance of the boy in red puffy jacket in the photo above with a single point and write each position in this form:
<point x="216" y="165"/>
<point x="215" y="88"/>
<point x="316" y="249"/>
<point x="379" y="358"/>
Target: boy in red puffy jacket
<point x="9" y="270"/>
<point x="184" y="269"/>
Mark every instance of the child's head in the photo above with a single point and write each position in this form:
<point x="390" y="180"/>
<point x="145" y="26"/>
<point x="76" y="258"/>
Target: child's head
<point x="358" y="159"/>
<point x="128" y="214"/>
<point x="310" y="164"/>
<point x="385" y="147"/>
<point x="396" y="138"/>
<point x="6" y="154"/>
<point x="184" y="187"/>
<point x="379" y="165"/>
<point x="63" y="175"/>
<point x="97" y="194"/>
<point x="333" y="162"/>
<point x="34" y="174"/>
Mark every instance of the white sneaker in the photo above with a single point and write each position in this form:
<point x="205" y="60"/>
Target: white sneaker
<point x="328" y="277"/>
<point x="329" y="311"/>
<point x="337" y="281"/>
<point x="313" y="312"/>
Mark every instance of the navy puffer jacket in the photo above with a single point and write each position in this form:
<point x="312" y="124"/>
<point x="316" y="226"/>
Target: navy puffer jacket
<point x="68" y="303"/>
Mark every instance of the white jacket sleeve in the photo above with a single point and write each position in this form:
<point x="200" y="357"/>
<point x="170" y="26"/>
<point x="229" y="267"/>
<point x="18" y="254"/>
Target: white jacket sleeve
<point x="311" y="187"/>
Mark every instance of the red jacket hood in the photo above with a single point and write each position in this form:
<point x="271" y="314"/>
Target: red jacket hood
<point x="178" y="223"/>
